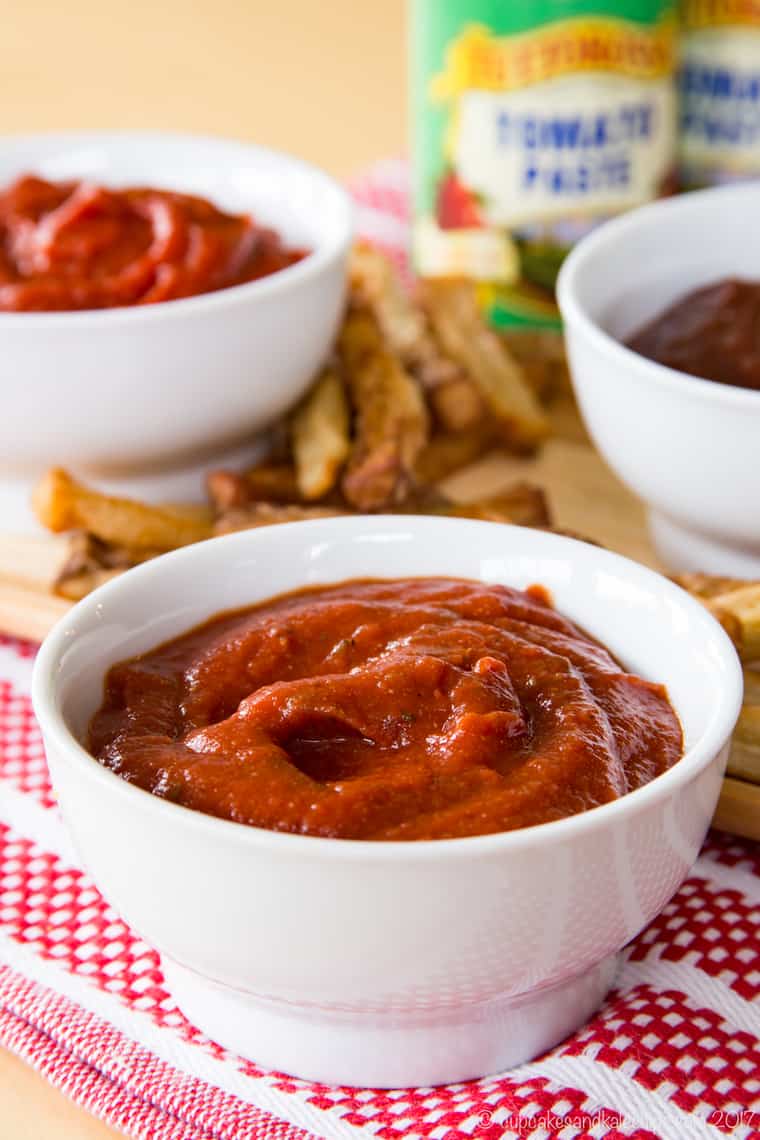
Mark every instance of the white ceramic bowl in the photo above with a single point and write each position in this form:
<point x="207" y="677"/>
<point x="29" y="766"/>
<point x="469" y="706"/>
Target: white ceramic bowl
<point x="688" y="447"/>
<point x="119" y="391"/>
<point x="389" y="963"/>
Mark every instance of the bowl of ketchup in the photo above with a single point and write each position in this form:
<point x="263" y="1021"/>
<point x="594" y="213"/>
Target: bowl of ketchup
<point x="163" y="298"/>
<point x="389" y="794"/>
<point x="662" y="321"/>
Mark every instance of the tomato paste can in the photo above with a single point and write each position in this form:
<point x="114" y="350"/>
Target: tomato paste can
<point x="719" y="91"/>
<point x="532" y="120"/>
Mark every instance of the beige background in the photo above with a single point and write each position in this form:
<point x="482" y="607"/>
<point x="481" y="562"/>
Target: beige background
<point x="323" y="78"/>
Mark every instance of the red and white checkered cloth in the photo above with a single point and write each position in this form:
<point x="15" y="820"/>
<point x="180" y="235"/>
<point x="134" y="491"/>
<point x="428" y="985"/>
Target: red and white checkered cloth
<point x="674" y="1053"/>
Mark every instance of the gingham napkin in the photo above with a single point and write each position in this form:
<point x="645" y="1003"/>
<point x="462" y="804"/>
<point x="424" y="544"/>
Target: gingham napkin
<point x="673" y="1054"/>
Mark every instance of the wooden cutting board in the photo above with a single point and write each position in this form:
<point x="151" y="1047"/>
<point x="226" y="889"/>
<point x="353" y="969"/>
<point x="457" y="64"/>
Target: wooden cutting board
<point x="584" y="497"/>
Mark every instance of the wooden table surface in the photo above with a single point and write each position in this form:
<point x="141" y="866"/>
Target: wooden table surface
<point x="326" y="81"/>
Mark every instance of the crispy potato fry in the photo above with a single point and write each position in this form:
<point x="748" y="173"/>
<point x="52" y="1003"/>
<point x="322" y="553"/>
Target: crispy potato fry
<point x="522" y="505"/>
<point x="738" y="611"/>
<point x="268" y="482"/>
<point x="61" y="504"/>
<point x="541" y="354"/>
<point x="89" y="563"/>
<point x="453" y="310"/>
<point x="270" y="514"/>
<point x="752" y="686"/>
<point x="736" y="605"/>
<point x="391" y="418"/>
<point x="458" y="405"/>
<point x="708" y="585"/>
<point x="445" y="454"/>
<point x="226" y="490"/>
<point x="744" y="761"/>
<point x="320" y="436"/>
<point x="375" y="284"/>
<point x="272" y="482"/>
<point x="744" y="758"/>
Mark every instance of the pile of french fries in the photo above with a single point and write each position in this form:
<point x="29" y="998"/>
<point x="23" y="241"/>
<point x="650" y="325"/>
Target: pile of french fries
<point x="736" y="605"/>
<point x="418" y="386"/>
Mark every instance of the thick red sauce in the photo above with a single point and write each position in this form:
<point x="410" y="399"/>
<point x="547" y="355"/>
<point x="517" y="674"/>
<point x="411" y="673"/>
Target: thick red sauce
<point x="713" y="332"/>
<point x="75" y="245"/>
<point x="410" y="709"/>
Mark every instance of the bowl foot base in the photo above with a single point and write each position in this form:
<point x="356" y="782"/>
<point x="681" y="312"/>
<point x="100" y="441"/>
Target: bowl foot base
<point x="393" y="1049"/>
<point x="681" y="549"/>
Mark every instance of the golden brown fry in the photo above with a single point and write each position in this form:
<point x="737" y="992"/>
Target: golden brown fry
<point x="752" y="686"/>
<point x="61" y="504"/>
<point x="744" y="758"/>
<point x="226" y="490"/>
<point x="463" y="334"/>
<point x="736" y="605"/>
<point x="458" y="405"/>
<point x="268" y="482"/>
<point x="445" y="454"/>
<point x="272" y="482"/>
<point x="270" y="514"/>
<point x="541" y="355"/>
<point x="708" y="585"/>
<point x="522" y="505"/>
<point x="390" y="413"/>
<point x="320" y="436"/>
<point x="376" y="285"/>
<point x="738" y="611"/>
<point x="748" y="726"/>
<point x="74" y="587"/>
<point x="90" y="563"/>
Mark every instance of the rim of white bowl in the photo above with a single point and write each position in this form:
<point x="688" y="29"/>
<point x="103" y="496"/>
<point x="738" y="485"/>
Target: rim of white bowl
<point x="325" y="252"/>
<point x="624" y="228"/>
<point x="700" y="754"/>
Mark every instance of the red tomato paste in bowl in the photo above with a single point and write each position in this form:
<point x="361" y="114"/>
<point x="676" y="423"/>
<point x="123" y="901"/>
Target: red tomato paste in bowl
<point x="76" y="245"/>
<point x="386" y="710"/>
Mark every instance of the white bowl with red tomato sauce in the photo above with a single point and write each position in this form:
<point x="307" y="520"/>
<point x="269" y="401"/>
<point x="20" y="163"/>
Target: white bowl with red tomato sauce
<point x="389" y="963"/>
<point x="122" y="392"/>
<point x="687" y="446"/>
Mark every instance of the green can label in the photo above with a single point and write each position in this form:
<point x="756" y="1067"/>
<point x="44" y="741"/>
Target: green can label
<point x="719" y="87"/>
<point x="534" y="119"/>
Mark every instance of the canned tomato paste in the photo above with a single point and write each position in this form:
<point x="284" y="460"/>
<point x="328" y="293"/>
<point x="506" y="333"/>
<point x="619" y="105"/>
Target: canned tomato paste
<point x="719" y="87"/>
<point x="532" y="120"/>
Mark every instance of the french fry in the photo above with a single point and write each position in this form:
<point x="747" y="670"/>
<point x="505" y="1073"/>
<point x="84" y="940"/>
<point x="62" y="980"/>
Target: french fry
<point x="391" y="420"/>
<point x="541" y="355"/>
<point x="738" y="611"/>
<point x="522" y="505"/>
<point x="708" y="585"/>
<point x="61" y="504"/>
<point x="89" y="563"/>
<point x="453" y="310"/>
<point x="226" y="490"/>
<point x="744" y="757"/>
<point x="752" y="687"/>
<point x="736" y="605"/>
<point x="445" y="454"/>
<point x="458" y="405"/>
<point x="267" y="482"/>
<point x="375" y="284"/>
<point x="271" y="514"/>
<point x="320" y="436"/>
<point x="272" y="482"/>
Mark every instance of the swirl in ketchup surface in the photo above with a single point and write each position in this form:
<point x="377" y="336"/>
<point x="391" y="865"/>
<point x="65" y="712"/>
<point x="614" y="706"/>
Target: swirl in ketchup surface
<point x="75" y="245"/>
<point x="401" y="709"/>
